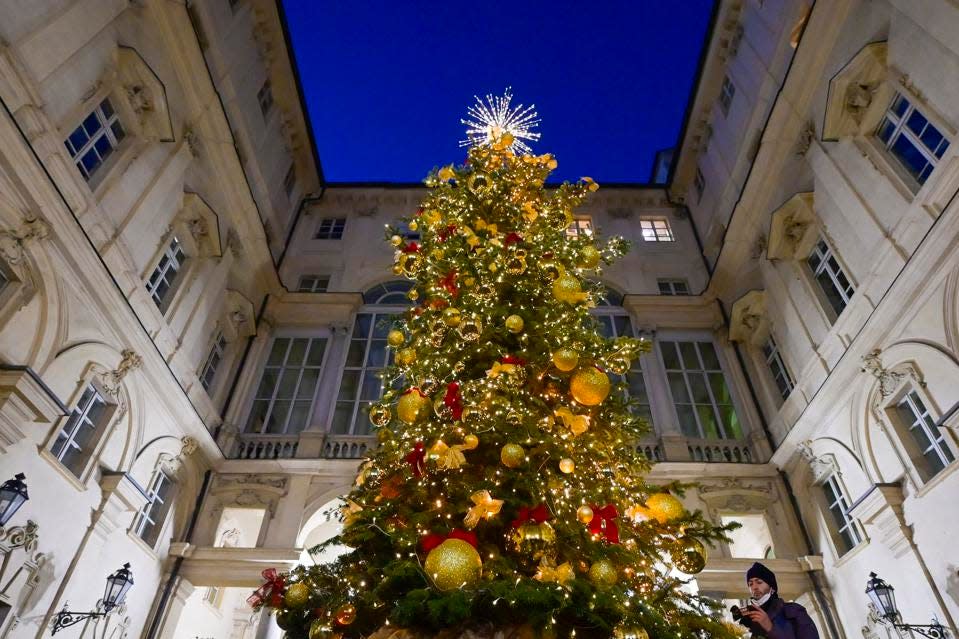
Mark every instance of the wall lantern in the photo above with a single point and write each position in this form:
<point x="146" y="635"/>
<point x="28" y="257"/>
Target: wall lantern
<point x="118" y="584"/>
<point x="13" y="493"/>
<point x="883" y="598"/>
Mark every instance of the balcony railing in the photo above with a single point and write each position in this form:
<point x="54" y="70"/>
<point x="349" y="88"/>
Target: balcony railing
<point x="259" y="446"/>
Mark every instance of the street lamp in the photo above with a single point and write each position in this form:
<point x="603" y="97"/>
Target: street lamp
<point x="13" y="493"/>
<point x="883" y="598"/>
<point x="113" y="595"/>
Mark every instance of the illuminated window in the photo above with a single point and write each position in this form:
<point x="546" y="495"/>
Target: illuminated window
<point x="95" y="139"/>
<point x="656" y="230"/>
<point x="284" y="399"/>
<point x="698" y="387"/>
<point x="580" y="226"/>
<point x="915" y="142"/>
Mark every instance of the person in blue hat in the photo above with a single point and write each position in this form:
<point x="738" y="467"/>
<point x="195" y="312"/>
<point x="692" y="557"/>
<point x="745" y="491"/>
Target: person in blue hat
<point x="769" y="616"/>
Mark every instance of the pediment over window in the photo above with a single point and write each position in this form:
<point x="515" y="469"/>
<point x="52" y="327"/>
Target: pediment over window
<point x="858" y="94"/>
<point x="793" y="229"/>
<point x="197" y="227"/>
<point x="143" y="95"/>
<point x="748" y="321"/>
<point x="239" y="318"/>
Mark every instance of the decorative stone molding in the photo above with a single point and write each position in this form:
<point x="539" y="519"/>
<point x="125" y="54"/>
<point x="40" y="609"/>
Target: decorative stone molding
<point x="239" y="318"/>
<point x="111" y="381"/>
<point x="793" y="229"/>
<point x="14" y="241"/>
<point x="881" y="510"/>
<point x="806" y="138"/>
<point x="144" y="95"/>
<point x="21" y="567"/>
<point x="197" y="227"/>
<point x="24" y="400"/>
<point x="889" y="380"/>
<point x="858" y="94"/>
<point x="822" y="467"/>
<point x="748" y="321"/>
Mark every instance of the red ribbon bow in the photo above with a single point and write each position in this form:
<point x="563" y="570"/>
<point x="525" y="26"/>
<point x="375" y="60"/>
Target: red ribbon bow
<point x="512" y="359"/>
<point x="270" y="592"/>
<point x="453" y="400"/>
<point x="418" y="212"/>
<point x="447" y="232"/>
<point x="416" y="458"/>
<point x="432" y="540"/>
<point x="449" y="283"/>
<point x="512" y="238"/>
<point x="538" y="515"/>
<point x="603" y="525"/>
<point x="412" y="247"/>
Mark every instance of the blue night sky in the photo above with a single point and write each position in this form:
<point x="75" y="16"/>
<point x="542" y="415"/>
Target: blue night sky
<point x="387" y="82"/>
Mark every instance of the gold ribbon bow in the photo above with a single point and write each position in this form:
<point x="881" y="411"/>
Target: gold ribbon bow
<point x="548" y="572"/>
<point x="350" y="510"/>
<point x="485" y="508"/>
<point x="530" y="212"/>
<point x="450" y="457"/>
<point x="578" y="424"/>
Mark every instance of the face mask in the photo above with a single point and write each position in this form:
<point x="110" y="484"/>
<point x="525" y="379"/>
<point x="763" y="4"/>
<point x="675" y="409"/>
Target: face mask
<point x="762" y="600"/>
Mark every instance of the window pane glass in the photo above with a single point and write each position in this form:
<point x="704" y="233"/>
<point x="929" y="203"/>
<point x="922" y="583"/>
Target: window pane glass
<point x="731" y="425"/>
<point x="317" y="349"/>
<point x="720" y="391"/>
<point x="698" y="387"/>
<point x="354" y="357"/>
<point x="278" y="352"/>
<point x="299" y="417"/>
<point x="670" y="356"/>
<point x="708" y="421"/>
<point x="710" y="361"/>
<point x="277" y="419"/>
<point x="349" y="385"/>
<point x="288" y="383"/>
<point x="342" y="416"/>
<point x="377" y="353"/>
<point x="690" y="359"/>
<point x="297" y="351"/>
<point x="687" y="420"/>
<point x="916" y="121"/>
<point x="308" y="383"/>
<point x="372" y="386"/>
<point x="257" y="415"/>
<point x="677" y="385"/>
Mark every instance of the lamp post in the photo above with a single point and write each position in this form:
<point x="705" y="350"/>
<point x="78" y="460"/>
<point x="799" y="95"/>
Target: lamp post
<point x="113" y="595"/>
<point x="13" y="493"/>
<point x="883" y="597"/>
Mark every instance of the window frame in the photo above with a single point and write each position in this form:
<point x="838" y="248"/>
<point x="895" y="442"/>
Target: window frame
<point x="837" y="508"/>
<point x="106" y="131"/>
<point x="219" y="350"/>
<point x="181" y="263"/>
<point x="663" y="337"/>
<point x="321" y="284"/>
<point x="699" y="184"/>
<point x="289" y="181"/>
<point x="330" y="228"/>
<point x="159" y="477"/>
<point x="774" y="356"/>
<point x="582" y="225"/>
<point x="264" y="97"/>
<point x="727" y="93"/>
<point x="324" y="334"/>
<point x="670" y="285"/>
<point x="908" y="440"/>
<point x="899" y="129"/>
<point x="100" y="430"/>
<point x="653" y="234"/>
<point x="820" y="292"/>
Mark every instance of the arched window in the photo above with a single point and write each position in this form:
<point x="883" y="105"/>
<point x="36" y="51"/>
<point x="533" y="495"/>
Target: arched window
<point x="615" y="322"/>
<point x="367" y="355"/>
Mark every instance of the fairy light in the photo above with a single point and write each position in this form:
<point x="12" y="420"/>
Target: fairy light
<point x="488" y="121"/>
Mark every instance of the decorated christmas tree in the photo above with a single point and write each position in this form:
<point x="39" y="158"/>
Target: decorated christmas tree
<point x="507" y="492"/>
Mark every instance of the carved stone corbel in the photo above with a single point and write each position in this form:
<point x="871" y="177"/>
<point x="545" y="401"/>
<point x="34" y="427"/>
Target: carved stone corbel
<point x="889" y="380"/>
<point x="13" y="242"/>
<point x="112" y="380"/>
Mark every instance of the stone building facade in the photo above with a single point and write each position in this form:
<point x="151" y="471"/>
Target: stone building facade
<point x="188" y="312"/>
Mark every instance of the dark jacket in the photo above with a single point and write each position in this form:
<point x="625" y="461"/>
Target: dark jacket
<point x="790" y="621"/>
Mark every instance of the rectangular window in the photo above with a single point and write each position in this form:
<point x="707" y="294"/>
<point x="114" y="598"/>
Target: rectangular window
<point x="213" y="596"/>
<point x="331" y="228"/>
<point x="361" y="384"/>
<point x="284" y="399"/>
<point x="580" y="226"/>
<point x="656" y="230"/>
<point x="846" y="528"/>
<point x="699" y="184"/>
<point x="95" y="139"/>
<point x="313" y="284"/>
<point x="672" y="287"/>
<point x="81" y="431"/>
<point x="613" y="325"/>
<point x="208" y="374"/>
<point x="149" y="521"/>
<point x="164" y="275"/>
<point x="289" y="181"/>
<point x="915" y="142"/>
<point x="774" y="360"/>
<point x="265" y="97"/>
<point x="831" y="278"/>
<point x="702" y="399"/>
<point x="726" y="95"/>
<point x="934" y="453"/>
<point x="4" y="281"/>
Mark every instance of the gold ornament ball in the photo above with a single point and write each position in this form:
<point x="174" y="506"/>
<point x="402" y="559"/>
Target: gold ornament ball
<point x="406" y="356"/>
<point x="396" y="240"/>
<point x="565" y="359"/>
<point x="549" y="269"/>
<point x="380" y="414"/>
<point x="412" y="407"/>
<point x="625" y="632"/>
<point x="663" y="507"/>
<point x="589" y="386"/>
<point x="413" y="225"/>
<point x="589" y="257"/>
<point x="454" y="564"/>
<point x="411" y="264"/>
<point x="479" y="183"/>
<point x="345" y="614"/>
<point x="514" y="323"/>
<point x="471" y="441"/>
<point x="617" y="363"/>
<point x="413" y="294"/>
<point x="566" y="465"/>
<point x="451" y="317"/>
<point x="689" y="556"/>
<point x="516" y="265"/>
<point x="296" y="595"/>
<point x="584" y="514"/>
<point x="567" y="289"/>
<point x="395" y="338"/>
<point x="470" y="329"/>
<point x="603" y="573"/>
<point x="512" y="455"/>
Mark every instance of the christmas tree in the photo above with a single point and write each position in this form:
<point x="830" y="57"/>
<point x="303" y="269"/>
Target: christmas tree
<point x="507" y="492"/>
